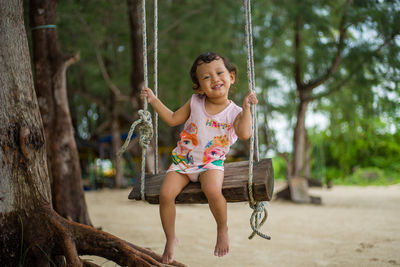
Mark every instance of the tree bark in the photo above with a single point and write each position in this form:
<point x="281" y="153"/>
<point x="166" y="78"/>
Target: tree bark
<point x="32" y="233"/>
<point x="307" y="159"/>
<point x="116" y="145"/>
<point x="50" y="66"/>
<point x="137" y="69"/>
<point x="299" y="137"/>
<point x="137" y="72"/>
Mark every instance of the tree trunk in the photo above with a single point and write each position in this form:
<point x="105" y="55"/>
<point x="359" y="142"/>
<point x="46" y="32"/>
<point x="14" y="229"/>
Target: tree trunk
<point x="299" y="138"/>
<point x="51" y="88"/>
<point x="137" y="72"/>
<point x="32" y="233"/>
<point x="297" y="183"/>
<point x="116" y="145"/>
<point x="298" y="186"/>
<point x="307" y="159"/>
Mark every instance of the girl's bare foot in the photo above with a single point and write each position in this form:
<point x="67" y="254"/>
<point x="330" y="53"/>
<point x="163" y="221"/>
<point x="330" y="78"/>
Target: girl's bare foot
<point x="168" y="255"/>
<point x="222" y="246"/>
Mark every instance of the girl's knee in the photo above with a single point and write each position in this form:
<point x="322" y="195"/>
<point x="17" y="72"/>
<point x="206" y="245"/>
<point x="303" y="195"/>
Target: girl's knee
<point x="167" y="195"/>
<point x="172" y="186"/>
<point x="213" y="193"/>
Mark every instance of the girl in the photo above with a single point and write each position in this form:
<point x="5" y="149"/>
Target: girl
<point x="212" y="124"/>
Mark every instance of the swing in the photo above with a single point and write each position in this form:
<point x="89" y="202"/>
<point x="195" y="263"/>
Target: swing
<point x="248" y="181"/>
<point x="234" y="188"/>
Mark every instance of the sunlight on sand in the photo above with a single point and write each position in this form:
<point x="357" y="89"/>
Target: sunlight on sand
<point x="355" y="226"/>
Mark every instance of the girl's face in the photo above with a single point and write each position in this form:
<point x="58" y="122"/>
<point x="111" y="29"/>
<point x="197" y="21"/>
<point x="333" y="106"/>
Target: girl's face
<point x="215" y="79"/>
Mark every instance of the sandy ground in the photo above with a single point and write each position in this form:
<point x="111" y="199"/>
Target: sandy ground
<point x="355" y="226"/>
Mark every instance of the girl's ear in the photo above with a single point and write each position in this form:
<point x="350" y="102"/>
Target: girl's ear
<point x="232" y="74"/>
<point x="199" y="91"/>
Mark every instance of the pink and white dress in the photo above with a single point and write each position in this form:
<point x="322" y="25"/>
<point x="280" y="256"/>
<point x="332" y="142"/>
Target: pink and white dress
<point x="205" y="140"/>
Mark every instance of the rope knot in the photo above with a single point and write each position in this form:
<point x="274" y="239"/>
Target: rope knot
<point x="257" y="206"/>
<point x="145" y="131"/>
<point x="145" y="116"/>
<point x="259" y="210"/>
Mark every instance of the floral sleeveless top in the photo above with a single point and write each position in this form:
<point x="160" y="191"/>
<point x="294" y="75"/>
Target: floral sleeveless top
<point x="205" y="140"/>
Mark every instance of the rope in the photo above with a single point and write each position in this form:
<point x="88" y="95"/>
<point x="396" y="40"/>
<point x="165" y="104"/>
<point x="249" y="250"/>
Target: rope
<point x="146" y="127"/>
<point x="145" y="130"/>
<point x="156" y="84"/>
<point x="146" y="84"/>
<point x="49" y="26"/>
<point x="146" y="133"/>
<point x="259" y="208"/>
<point x="253" y="78"/>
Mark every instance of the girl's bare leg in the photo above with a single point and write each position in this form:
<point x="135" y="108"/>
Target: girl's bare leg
<point x="211" y="184"/>
<point x="173" y="184"/>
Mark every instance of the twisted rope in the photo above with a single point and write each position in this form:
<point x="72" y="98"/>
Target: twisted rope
<point x="146" y="125"/>
<point x="259" y="208"/>
<point x="144" y="33"/>
<point x="146" y="134"/>
<point x="156" y="84"/>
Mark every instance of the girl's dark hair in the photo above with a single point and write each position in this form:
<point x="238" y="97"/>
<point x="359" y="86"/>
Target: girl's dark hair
<point x="208" y="57"/>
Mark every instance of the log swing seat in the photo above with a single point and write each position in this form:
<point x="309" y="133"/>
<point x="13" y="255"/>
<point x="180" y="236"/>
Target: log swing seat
<point x="251" y="180"/>
<point x="234" y="188"/>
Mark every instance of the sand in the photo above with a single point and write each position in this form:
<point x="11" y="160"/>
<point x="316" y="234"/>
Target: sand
<point x="355" y="226"/>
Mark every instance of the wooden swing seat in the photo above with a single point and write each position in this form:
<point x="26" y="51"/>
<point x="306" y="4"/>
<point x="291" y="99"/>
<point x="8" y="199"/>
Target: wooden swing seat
<point x="234" y="188"/>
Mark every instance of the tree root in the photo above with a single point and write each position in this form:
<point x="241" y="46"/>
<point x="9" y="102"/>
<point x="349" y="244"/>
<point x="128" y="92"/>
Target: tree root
<point x="73" y="239"/>
<point x="86" y="263"/>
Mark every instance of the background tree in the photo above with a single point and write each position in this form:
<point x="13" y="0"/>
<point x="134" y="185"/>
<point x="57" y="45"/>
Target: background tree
<point x="29" y="225"/>
<point x="50" y="66"/>
<point x="314" y="50"/>
<point x="106" y="22"/>
<point x="185" y="30"/>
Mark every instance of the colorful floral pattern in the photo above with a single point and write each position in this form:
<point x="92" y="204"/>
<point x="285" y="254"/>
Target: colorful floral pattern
<point x="187" y="143"/>
<point x="216" y="149"/>
<point x="205" y="140"/>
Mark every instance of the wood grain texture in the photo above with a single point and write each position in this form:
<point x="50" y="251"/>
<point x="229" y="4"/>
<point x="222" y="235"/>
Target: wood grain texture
<point x="234" y="187"/>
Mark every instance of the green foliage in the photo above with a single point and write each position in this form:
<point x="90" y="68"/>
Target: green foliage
<point x="360" y="100"/>
<point x="280" y="168"/>
<point x="370" y="176"/>
<point x="89" y="27"/>
<point x="189" y="29"/>
<point x="349" y="153"/>
<point x="332" y="174"/>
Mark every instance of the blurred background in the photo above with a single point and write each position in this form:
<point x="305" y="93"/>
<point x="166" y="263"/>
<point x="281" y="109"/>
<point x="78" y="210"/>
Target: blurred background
<point x="327" y="79"/>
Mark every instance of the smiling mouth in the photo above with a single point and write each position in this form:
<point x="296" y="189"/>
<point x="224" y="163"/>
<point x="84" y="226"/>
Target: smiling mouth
<point x="218" y="86"/>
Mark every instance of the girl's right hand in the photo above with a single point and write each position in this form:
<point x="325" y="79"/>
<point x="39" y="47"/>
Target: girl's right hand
<point x="147" y="92"/>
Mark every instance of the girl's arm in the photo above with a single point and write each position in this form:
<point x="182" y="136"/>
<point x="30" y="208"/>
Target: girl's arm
<point x="242" y="122"/>
<point x="169" y="117"/>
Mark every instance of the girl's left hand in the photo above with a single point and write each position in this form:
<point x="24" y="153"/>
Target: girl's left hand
<point x="147" y="93"/>
<point x="250" y="98"/>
